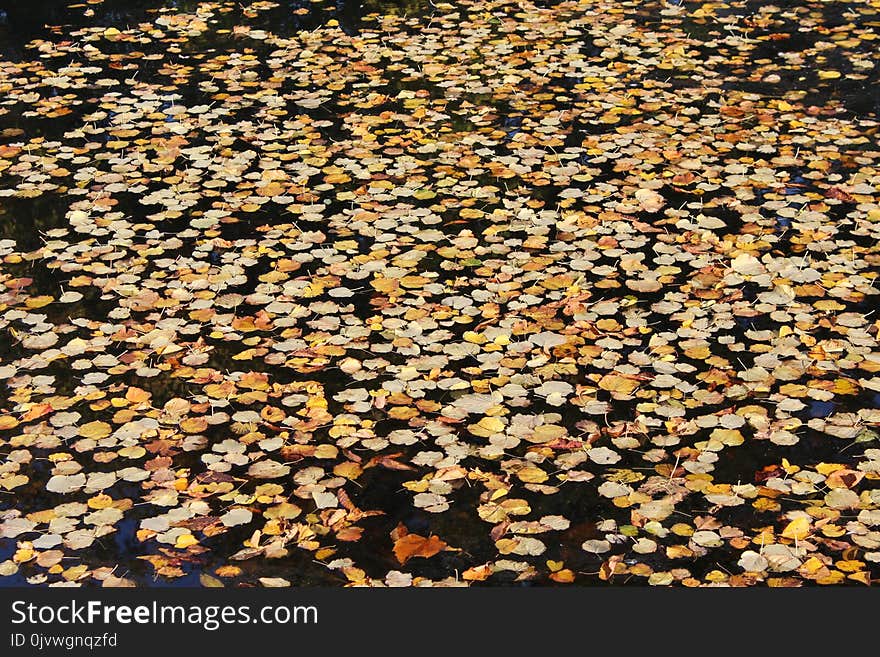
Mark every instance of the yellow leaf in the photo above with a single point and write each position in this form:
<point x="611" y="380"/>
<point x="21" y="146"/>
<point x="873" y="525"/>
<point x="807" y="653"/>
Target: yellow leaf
<point x="834" y="577"/>
<point x="133" y="452"/>
<point x="766" y="504"/>
<point x="679" y="552"/>
<point x="74" y="573"/>
<point x="101" y="501"/>
<point x="546" y="433"/>
<point x="498" y="493"/>
<point x="384" y="285"/>
<point x="698" y="353"/>
<point x="194" y="424"/>
<point x="95" y="430"/>
<point x="789" y="468"/>
<point x="10" y="481"/>
<point x="419" y="486"/>
<point x="42" y="516"/>
<point x="811" y="566"/>
<point x="349" y="470"/>
<point x="475" y="338"/>
<point x="845" y="387"/>
<point x="23" y="554"/>
<point x="532" y="475"/>
<point x="850" y="566"/>
<point x="185" y="540"/>
<point x="827" y="468"/>
<point x="39" y="302"/>
<point x="729" y="437"/>
<point x="414" y="282"/>
<point x="492" y="424"/>
<point x="798" y="529"/>
<point x="326" y="451"/>
<point x="254" y="381"/>
<point x="862" y="576"/>
<point x="618" y="383"/>
<point x="402" y="412"/>
<point x="682" y="529"/>
<point x="324" y="553"/>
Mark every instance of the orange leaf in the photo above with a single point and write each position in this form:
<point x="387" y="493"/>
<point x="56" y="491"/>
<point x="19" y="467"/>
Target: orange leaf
<point x="272" y="414"/>
<point x="350" y="534"/>
<point x="137" y="395"/>
<point x="477" y="573"/>
<point x="37" y="410"/>
<point x="413" y="545"/>
<point x="228" y="571"/>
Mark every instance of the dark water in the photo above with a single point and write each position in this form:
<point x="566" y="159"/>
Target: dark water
<point x="22" y="21"/>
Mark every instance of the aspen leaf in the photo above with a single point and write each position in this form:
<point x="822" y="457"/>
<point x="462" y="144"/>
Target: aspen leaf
<point x="798" y="529"/>
<point x="649" y="200"/>
<point x="95" y="430"/>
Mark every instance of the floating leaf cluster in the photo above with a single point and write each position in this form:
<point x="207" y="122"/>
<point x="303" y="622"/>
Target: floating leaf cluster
<point x="495" y="291"/>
